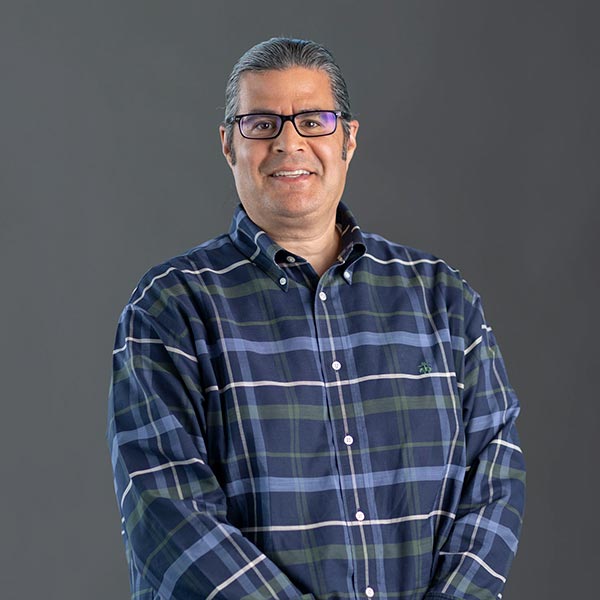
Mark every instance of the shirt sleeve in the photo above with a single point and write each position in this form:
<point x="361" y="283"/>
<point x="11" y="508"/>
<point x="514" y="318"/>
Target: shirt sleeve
<point x="475" y="558"/>
<point x="174" y="512"/>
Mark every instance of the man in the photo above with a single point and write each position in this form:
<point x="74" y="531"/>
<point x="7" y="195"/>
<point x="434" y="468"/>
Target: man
<point x="300" y="409"/>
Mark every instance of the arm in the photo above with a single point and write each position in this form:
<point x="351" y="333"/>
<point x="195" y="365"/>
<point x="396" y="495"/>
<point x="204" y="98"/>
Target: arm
<point x="173" y="509"/>
<point x="476" y="556"/>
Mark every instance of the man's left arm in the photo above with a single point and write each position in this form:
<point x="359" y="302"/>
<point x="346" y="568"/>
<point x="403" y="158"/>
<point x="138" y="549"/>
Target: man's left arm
<point x="476" y="556"/>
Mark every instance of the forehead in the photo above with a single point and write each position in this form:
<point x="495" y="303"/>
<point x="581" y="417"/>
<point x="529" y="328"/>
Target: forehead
<point x="288" y="91"/>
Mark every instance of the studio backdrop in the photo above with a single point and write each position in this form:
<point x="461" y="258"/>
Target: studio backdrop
<point x="478" y="142"/>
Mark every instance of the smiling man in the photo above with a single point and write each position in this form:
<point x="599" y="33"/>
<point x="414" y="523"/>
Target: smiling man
<point x="291" y="181"/>
<point x="300" y="409"/>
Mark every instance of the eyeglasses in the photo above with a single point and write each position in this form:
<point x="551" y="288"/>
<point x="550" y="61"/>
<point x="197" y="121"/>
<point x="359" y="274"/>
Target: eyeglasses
<point x="310" y="123"/>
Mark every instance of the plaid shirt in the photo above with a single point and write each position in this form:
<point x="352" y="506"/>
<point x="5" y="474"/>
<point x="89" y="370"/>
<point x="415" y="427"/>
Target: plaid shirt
<point x="279" y="435"/>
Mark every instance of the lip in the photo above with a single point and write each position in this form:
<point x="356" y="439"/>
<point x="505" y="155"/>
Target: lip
<point x="289" y="169"/>
<point x="290" y="179"/>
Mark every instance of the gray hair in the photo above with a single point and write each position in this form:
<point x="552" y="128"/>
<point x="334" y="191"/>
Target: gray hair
<point x="279" y="54"/>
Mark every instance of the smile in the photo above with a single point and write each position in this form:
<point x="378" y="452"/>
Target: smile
<point x="297" y="173"/>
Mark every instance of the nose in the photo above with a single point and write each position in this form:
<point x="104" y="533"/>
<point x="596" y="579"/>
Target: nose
<point x="289" y="140"/>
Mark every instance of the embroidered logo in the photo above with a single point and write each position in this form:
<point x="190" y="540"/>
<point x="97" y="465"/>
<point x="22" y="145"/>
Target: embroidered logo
<point x="424" y="368"/>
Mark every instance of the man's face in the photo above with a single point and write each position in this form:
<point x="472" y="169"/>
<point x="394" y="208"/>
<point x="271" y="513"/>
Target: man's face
<point x="271" y="200"/>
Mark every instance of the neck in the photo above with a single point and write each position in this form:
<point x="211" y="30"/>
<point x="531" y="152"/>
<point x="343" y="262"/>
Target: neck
<point x="320" y="250"/>
<point x="318" y="241"/>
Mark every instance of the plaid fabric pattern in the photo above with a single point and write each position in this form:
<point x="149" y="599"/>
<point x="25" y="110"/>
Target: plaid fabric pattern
<point x="274" y="434"/>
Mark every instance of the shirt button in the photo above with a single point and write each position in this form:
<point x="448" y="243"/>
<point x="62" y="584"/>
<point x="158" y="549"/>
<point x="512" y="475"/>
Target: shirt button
<point x="322" y="296"/>
<point x="348" y="440"/>
<point x="290" y="259"/>
<point x="346" y="275"/>
<point x="370" y="592"/>
<point x="283" y="281"/>
<point x="360" y="515"/>
<point x="336" y="365"/>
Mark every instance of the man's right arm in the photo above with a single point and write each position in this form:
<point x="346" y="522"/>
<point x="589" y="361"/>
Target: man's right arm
<point x="173" y="509"/>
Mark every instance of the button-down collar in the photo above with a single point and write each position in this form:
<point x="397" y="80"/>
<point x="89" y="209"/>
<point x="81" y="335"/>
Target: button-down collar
<point x="266" y="254"/>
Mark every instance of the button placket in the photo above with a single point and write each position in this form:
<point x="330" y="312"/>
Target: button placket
<point x="343" y="423"/>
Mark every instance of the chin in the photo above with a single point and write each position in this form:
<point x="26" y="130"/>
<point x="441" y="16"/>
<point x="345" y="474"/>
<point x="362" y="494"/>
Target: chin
<point x="297" y="206"/>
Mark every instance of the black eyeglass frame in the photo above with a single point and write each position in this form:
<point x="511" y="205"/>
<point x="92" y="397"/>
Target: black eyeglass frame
<point x="340" y="114"/>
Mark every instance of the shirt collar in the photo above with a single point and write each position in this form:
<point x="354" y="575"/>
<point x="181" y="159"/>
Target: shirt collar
<point x="353" y="243"/>
<point x="259" y="248"/>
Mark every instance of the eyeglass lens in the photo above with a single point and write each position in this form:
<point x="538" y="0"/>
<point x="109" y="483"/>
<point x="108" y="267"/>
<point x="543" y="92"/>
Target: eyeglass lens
<point x="307" y="124"/>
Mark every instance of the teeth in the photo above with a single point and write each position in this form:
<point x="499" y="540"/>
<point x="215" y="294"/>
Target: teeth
<point x="291" y="173"/>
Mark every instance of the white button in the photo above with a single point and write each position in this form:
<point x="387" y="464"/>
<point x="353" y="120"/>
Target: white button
<point x="322" y="296"/>
<point x="336" y="365"/>
<point x="360" y="515"/>
<point x="370" y="592"/>
<point x="291" y="259"/>
<point x="348" y="440"/>
<point x="283" y="281"/>
<point x="346" y="274"/>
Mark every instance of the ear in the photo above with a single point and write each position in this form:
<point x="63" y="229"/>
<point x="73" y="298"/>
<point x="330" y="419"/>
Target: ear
<point x="225" y="147"/>
<point x="351" y="145"/>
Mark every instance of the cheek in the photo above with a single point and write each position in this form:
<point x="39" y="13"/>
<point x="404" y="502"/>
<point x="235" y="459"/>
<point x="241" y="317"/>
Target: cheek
<point x="333" y="155"/>
<point x="335" y="165"/>
<point x="250" y="160"/>
<point x="246" y="169"/>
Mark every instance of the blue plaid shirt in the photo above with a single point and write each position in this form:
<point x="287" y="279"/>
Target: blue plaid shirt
<point x="279" y="435"/>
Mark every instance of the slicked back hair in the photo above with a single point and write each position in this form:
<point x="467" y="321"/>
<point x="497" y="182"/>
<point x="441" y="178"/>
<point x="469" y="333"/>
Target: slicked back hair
<point x="278" y="54"/>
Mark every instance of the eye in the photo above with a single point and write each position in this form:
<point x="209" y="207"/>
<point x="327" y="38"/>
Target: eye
<point x="311" y="124"/>
<point x="263" y="125"/>
<point x="259" y="125"/>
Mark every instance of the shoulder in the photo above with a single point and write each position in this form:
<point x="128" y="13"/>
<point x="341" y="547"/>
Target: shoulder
<point x="412" y="261"/>
<point x="419" y="269"/>
<point x="180" y="275"/>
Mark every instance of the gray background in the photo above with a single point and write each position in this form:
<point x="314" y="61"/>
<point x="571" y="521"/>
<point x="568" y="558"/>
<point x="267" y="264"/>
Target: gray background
<point x="479" y="141"/>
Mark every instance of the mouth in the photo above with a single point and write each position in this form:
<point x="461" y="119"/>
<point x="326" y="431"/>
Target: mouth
<point x="291" y="174"/>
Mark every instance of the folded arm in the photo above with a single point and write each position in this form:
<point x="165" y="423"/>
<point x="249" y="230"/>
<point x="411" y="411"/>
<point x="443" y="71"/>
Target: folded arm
<point x="476" y="556"/>
<point x="173" y="509"/>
